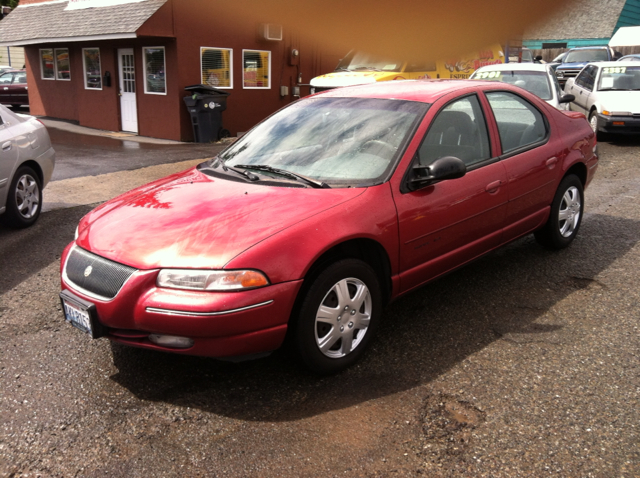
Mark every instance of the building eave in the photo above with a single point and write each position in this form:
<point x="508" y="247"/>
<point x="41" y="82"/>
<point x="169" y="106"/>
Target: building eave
<point x="36" y="41"/>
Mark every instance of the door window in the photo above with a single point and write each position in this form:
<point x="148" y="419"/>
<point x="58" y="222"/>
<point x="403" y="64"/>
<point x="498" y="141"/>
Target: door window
<point x="458" y="130"/>
<point x="520" y="124"/>
<point x="587" y="77"/>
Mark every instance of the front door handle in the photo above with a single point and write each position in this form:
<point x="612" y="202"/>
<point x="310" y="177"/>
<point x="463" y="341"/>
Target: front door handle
<point x="6" y="146"/>
<point x="491" y="187"/>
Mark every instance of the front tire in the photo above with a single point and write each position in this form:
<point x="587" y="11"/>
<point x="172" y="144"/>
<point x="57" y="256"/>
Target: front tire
<point x="338" y="316"/>
<point x="24" y="201"/>
<point x="593" y="121"/>
<point x="565" y="216"/>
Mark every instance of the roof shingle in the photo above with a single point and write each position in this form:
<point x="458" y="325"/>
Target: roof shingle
<point x="42" y="22"/>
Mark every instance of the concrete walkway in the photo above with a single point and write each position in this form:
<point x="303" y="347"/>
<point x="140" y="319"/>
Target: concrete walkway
<point x="95" y="189"/>
<point x="91" y="170"/>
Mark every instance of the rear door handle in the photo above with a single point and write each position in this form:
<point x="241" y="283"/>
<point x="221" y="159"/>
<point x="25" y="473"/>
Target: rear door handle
<point x="6" y="146"/>
<point x="491" y="187"/>
<point x="551" y="162"/>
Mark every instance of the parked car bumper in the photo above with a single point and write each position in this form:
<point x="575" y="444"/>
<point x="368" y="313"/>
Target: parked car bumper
<point x="47" y="161"/>
<point x="618" y="124"/>
<point x="218" y="324"/>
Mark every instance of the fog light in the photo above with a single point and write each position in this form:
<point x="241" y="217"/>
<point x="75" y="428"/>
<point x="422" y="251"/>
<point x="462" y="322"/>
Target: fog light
<point x="171" y="341"/>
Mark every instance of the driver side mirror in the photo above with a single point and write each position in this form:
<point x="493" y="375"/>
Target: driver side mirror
<point x="566" y="99"/>
<point x="441" y="169"/>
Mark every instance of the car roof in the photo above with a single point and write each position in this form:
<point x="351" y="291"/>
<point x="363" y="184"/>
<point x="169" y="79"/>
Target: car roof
<point x="425" y="91"/>
<point x="515" y="67"/>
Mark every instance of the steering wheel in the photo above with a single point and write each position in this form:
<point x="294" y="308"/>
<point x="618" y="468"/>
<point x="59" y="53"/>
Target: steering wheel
<point x="378" y="148"/>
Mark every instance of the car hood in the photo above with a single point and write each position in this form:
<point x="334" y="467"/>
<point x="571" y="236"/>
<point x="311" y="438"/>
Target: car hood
<point x="191" y="220"/>
<point x="572" y="66"/>
<point x="628" y="101"/>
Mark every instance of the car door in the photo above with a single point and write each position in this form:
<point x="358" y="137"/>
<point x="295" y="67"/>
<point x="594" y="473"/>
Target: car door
<point x="5" y="83"/>
<point x="8" y="158"/>
<point x="18" y="89"/>
<point x="530" y="159"/>
<point x="582" y="88"/>
<point x="448" y="223"/>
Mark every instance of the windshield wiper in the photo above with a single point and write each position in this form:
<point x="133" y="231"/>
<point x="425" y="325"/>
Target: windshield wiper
<point x="283" y="172"/>
<point x="246" y="174"/>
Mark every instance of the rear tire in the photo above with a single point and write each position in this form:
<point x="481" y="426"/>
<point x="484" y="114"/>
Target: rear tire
<point x="338" y="316"/>
<point x="24" y="201"/>
<point x="565" y="216"/>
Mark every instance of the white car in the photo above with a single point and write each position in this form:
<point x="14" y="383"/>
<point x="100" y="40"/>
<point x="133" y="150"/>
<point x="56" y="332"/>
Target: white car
<point x="609" y="95"/>
<point x="539" y="79"/>
<point x="26" y="164"/>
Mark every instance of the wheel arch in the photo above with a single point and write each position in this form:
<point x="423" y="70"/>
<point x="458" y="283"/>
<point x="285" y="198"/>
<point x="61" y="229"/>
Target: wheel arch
<point x="580" y="170"/>
<point x="36" y="168"/>
<point x="367" y="250"/>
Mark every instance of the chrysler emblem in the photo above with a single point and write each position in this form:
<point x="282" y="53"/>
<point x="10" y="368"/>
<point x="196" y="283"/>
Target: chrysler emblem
<point x="87" y="271"/>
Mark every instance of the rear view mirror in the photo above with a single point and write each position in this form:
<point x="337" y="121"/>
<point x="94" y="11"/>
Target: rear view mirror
<point x="441" y="169"/>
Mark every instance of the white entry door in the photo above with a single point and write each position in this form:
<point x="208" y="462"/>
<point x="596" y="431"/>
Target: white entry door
<point x="128" y="108"/>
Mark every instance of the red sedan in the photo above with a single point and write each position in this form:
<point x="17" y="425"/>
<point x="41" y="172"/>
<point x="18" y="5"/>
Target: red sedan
<point x="324" y="212"/>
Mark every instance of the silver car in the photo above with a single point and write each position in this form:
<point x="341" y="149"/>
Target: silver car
<point x="608" y="93"/>
<point x="26" y="164"/>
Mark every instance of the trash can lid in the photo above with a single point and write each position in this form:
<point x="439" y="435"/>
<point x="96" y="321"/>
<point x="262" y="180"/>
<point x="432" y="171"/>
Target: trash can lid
<point x="205" y="90"/>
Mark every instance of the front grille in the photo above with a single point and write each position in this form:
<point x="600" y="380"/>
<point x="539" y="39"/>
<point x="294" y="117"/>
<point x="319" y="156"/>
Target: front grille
<point x="96" y="274"/>
<point x="570" y="73"/>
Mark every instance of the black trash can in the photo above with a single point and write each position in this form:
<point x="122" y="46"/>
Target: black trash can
<point x="205" y="105"/>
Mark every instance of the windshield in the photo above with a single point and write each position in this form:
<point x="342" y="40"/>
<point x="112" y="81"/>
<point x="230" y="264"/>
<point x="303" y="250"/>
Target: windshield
<point x="342" y="142"/>
<point x="358" y="60"/>
<point x="619" y="78"/>
<point x="579" y="56"/>
<point x="536" y="82"/>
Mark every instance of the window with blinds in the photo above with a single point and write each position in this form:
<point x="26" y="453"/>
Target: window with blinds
<point x="92" y="71"/>
<point x="215" y="67"/>
<point x="256" y="69"/>
<point x="63" y="68"/>
<point x="46" y="64"/>
<point x="154" y="70"/>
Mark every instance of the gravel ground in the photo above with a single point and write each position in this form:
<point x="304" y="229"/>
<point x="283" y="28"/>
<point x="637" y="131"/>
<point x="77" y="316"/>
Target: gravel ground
<point x="524" y="363"/>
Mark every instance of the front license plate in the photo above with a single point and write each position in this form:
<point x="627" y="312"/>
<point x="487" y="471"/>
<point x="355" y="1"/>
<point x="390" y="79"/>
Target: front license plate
<point x="80" y="314"/>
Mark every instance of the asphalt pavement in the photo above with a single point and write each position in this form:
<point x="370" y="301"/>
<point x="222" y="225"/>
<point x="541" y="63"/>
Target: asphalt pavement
<point x="522" y="364"/>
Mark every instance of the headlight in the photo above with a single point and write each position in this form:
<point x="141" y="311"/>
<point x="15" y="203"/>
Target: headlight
<point x="616" y="113"/>
<point x="559" y="74"/>
<point x="211" y="280"/>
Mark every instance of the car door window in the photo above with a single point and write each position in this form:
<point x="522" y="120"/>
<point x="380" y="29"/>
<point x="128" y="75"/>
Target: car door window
<point x="20" y="79"/>
<point x="6" y="78"/>
<point x="458" y="130"/>
<point x="520" y="124"/>
<point x="586" y="78"/>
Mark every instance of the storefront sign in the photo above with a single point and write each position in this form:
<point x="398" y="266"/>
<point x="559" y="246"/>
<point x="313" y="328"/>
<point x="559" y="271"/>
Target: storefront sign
<point x="80" y="4"/>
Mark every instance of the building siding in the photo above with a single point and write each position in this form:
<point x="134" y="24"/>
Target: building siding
<point x="630" y="15"/>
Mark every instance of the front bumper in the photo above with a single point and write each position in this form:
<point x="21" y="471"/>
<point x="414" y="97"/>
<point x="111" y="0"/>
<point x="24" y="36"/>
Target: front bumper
<point x="619" y="124"/>
<point x="221" y="324"/>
